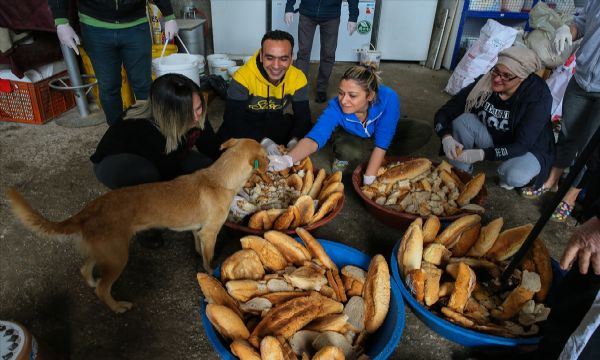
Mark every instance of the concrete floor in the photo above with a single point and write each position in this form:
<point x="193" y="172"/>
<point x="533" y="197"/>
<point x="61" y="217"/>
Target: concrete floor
<point x="40" y="285"/>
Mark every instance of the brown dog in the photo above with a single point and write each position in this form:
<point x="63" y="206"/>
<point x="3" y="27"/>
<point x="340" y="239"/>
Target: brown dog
<point x="198" y="202"/>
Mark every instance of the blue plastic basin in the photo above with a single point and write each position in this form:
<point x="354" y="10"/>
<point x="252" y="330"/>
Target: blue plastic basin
<point x="457" y="333"/>
<point x="380" y="345"/>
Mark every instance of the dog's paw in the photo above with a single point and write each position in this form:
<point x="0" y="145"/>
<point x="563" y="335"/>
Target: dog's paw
<point x="122" y="306"/>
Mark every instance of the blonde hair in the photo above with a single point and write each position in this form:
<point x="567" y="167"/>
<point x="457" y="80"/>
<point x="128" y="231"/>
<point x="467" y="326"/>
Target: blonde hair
<point x="366" y="75"/>
<point x="170" y="107"/>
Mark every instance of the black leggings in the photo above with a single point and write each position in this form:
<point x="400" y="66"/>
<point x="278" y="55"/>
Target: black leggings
<point x="120" y="170"/>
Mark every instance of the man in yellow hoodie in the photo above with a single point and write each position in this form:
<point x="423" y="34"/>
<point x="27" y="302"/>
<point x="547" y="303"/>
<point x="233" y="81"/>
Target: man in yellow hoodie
<point x="262" y="90"/>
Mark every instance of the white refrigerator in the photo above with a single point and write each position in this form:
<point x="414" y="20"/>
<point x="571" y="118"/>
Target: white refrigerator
<point x="238" y="26"/>
<point x="348" y="46"/>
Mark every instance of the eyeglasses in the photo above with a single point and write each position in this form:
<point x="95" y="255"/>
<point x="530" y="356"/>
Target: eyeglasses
<point x="504" y="76"/>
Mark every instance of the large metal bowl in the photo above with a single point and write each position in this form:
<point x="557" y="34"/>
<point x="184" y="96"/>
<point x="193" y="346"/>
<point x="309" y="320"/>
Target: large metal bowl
<point x="401" y="219"/>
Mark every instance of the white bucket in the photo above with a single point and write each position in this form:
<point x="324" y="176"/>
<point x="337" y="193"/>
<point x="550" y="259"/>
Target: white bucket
<point x="210" y="59"/>
<point x="370" y="56"/>
<point x="220" y="66"/>
<point x="201" y="64"/>
<point x="232" y="70"/>
<point x="183" y="64"/>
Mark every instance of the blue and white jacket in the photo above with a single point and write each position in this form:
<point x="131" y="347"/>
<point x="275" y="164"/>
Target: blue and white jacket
<point x="382" y="119"/>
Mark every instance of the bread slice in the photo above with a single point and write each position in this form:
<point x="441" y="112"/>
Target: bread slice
<point x="463" y="287"/>
<point x="317" y="184"/>
<point x="301" y="341"/>
<point x="243" y="264"/>
<point x="376" y="293"/>
<point x="543" y="266"/>
<point x="271" y="349"/>
<point x="291" y="250"/>
<point x="410" y="252"/>
<point x="444" y="165"/>
<point x="284" y="220"/>
<point x="316" y="249"/>
<point x="306" y="278"/>
<point x="333" y="322"/>
<point x="530" y="284"/>
<point x="355" y="310"/>
<point x="431" y="227"/>
<point x="243" y="350"/>
<point x="487" y="236"/>
<point x="295" y="181"/>
<point x="436" y="254"/>
<point x="279" y="297"/>
<point x="307" y="182"/>
<point x="270" y="257"/>
<point x="508" y="242"/>
<point x="329" y="189"/>
<point x="353" y="278"/>
<point x="459" y="225"/>
<point x="327" y="206"/>
<point x="415" y="282"/>
<point x="306" y="210"/>
<point x="466" y="240"/>
<point x="215" y="293"/>
<point x="334" y="177"/>
<point x="332" y="338"/>
<point x="432" y="285"/>
<point x="244" y="290"/>
<point x="258" y="219"/>
<point x="256" y="305"/>
<point x="471" y="189"/>
<point x="227" y="322"/>
<point x="406" y="170"/>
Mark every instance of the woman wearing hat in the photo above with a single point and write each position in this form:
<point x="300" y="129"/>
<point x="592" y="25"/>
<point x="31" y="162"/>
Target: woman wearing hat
<point x="503" y="116"/>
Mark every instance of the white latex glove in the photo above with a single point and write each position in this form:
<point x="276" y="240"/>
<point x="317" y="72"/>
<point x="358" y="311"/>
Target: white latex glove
<point x="171" y="29"/>
<point x="368" y="179"/>
<point x="562" y="37"/>
<point x="270" y="146"/>
<point x="288" y="18"/>
<point x="278" y="162"/>
<point x="471" y="156"/>
<point x="450" y="146"/>
<point x="68" y="37"/>
<point x="351" y="27"/>
<point x="291" y="144"/>
<point x="585" y="246"/>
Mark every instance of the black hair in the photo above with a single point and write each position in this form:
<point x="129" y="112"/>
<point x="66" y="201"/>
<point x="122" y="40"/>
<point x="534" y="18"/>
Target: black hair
<point x="278" y="35"/>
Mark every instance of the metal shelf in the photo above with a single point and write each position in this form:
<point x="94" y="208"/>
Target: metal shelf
<point x="498" y="15"/>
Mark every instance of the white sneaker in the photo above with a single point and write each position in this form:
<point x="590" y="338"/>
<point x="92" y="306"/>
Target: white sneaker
<point x="505" y="186"/>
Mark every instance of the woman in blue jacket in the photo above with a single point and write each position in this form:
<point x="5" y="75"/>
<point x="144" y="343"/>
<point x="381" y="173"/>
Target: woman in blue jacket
<point x="368" y="112"/>
<point x="503" y="116"/>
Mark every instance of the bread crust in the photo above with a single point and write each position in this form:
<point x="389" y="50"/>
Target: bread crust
<point x="436" y="254"/>
<point x="410" y="252"/>
<point x="431" y="227"/>
<point x="329" y="189"/>
<point x="307" y="182"/>
<point x="406" y="170"/>
<point x="543" y="266"/>
<point x="329" y="353"/>
<point x="227" y="322"/>
<point x="270" y="349"/>
<point x="456" y="227"/>
<point x="317" y="184"/>
<point x="243" y="264"/>
<point x="463" y="287"/>
<point x="316" y="249"/>
<point x="471" y="189"/>
<point x="327" y="206"/>
<point x="271" y="258"/>
<point x="215" y="293"/>
<point x="306" y="209"/>
<point x="376" y="293"/>
<point x="334" y="177"/>
<point x="243" y="350"/>
<point x="295" y="181"/>
<point x="284" y="220"/>
<point x="466" y="240"/>
<point x="291" y="250"/>
<point x="508" y="243"/>
<point x="487" y="236"/>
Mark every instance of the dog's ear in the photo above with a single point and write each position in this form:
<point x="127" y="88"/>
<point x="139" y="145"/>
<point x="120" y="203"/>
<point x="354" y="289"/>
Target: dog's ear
<point x="229" y="143"/>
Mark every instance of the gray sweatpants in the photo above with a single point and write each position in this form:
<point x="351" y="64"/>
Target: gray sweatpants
<point x="468" y="130"/>
<point x="328" y="35"/>
<point x="581" y="118"/>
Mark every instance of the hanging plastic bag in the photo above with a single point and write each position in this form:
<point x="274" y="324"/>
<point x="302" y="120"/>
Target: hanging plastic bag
<point x="479" y="59"/>
<point x="557" y="82"/>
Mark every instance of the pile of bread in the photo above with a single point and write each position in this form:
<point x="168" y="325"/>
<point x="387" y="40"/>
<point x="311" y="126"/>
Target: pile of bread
<point x="417" y="187"/>
<point x="455" y="273"/>
<point x="290" y="198"/>
<point x="280" y="299"/>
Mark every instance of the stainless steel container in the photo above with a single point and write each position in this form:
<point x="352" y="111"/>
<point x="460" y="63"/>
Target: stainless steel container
<point x="191" y="32"/>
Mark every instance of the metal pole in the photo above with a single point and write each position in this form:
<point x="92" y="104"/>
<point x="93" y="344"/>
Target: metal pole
<point x="75" y="76"/>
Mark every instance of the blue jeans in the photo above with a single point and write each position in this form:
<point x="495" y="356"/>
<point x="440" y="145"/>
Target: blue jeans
<point x="108" y="49"/>
<point x="468" y="130"/>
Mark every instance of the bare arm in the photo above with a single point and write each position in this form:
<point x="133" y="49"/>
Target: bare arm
<point x="375" y="161"/>
<point x="304" y="148"/>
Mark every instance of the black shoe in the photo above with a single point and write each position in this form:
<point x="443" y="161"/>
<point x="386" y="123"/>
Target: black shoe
<point x="321" y="97"/>
<point x="150" y="239"/>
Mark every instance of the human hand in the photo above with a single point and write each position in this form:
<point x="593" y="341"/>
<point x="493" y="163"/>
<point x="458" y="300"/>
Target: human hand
<point x="351" y="27"/>
<point x="562" y="37"/>
<point x="270" y="146"/>
<point x="288" y="18"/>
<point x="171" y="29"/>
<point x="450" y="147"/>
<point x="68" y="37"/>
<point x="291" y="144"/>
<point x="585" y="246"/>
<point x="471" y="156"/>
<point x="279" y="162"/>
<point x="368" y="179"/>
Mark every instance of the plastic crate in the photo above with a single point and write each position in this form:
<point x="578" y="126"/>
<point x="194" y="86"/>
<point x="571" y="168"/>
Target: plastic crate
<point x="33" y="103"/>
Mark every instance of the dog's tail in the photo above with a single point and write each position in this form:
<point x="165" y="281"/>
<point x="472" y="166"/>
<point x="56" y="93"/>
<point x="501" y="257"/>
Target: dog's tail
<point x="35" y="221"/>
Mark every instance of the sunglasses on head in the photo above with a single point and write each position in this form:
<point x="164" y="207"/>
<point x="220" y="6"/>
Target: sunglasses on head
<point x="504" y="76"/>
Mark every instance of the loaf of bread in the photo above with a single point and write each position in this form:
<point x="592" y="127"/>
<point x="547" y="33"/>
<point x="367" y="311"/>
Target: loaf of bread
<point x="405" y="170"/>
<point x="215" y="293"/>
<point x="509" y="242"/>
<point x="243" y="264"/>
<point x="227" y="322"/>
<point x="376" y="293"/>
<point x="316" y="249"/>
<point x="471" y="189"/>
<point x="291" y="250"/>
<point x="487" y="237"/>
<point x="463" y="287"/>
<point x="271" y="258"/>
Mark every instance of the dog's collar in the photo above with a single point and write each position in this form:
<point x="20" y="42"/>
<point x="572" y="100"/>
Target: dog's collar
<point x="256" y="164"/>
